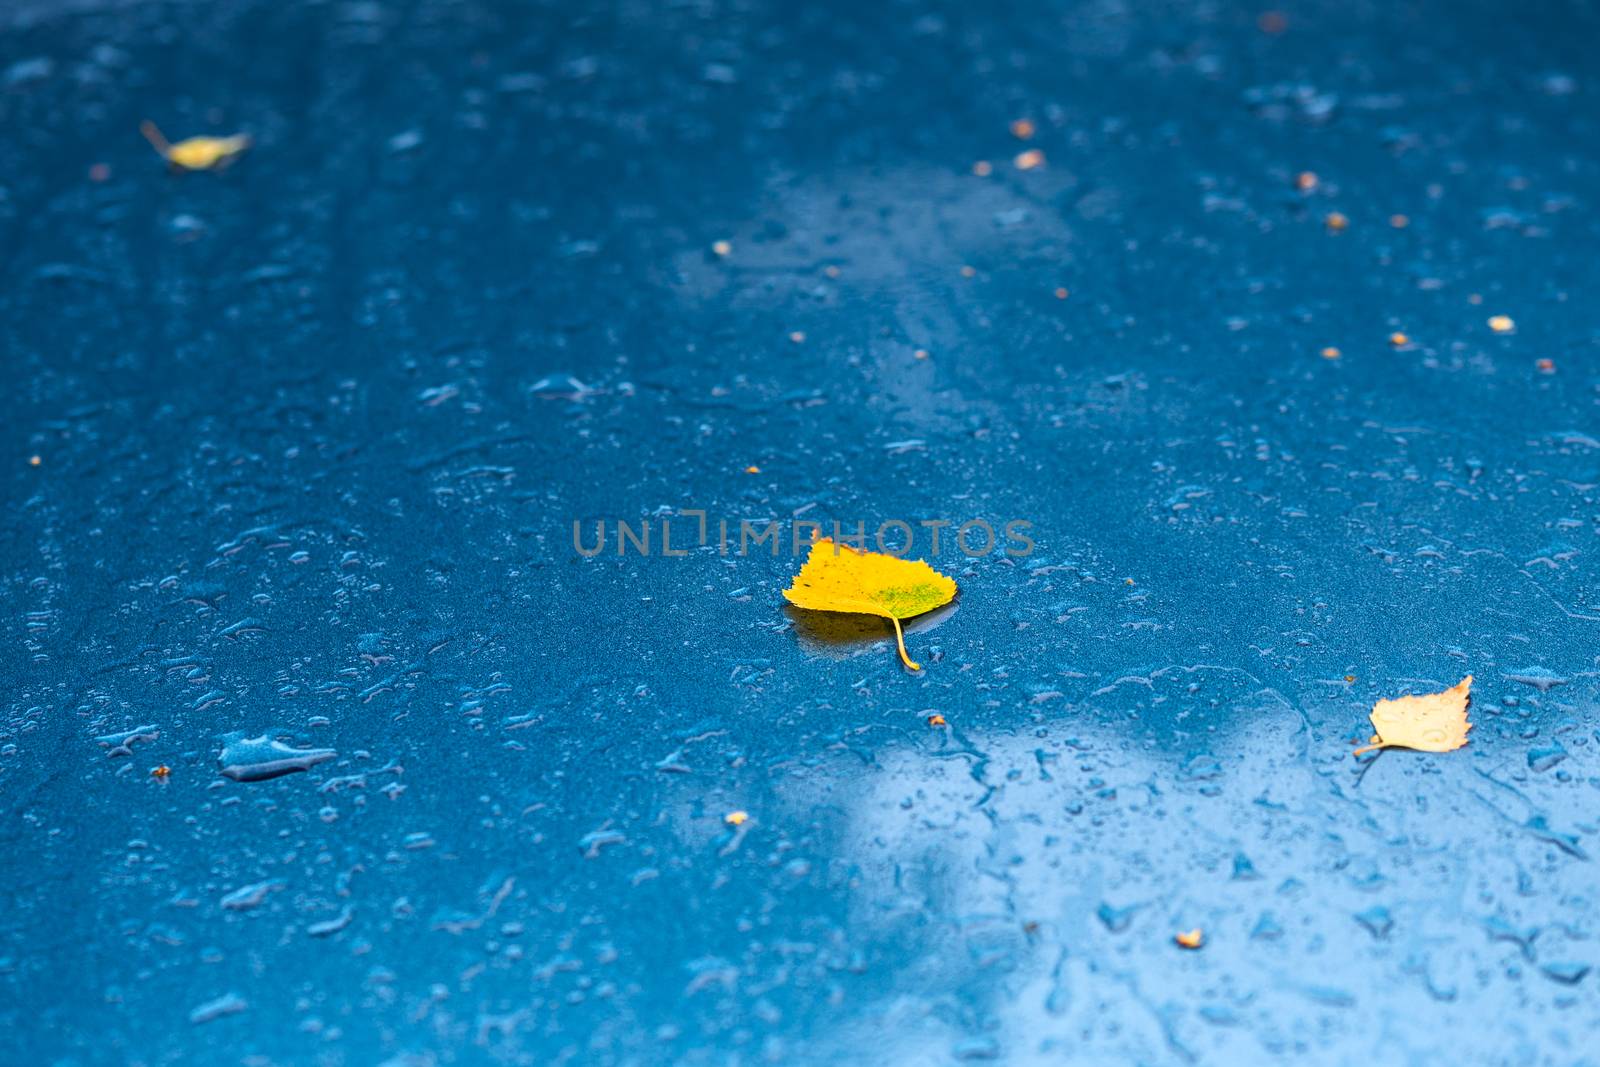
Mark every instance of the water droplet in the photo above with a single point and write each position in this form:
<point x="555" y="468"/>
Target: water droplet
<point x="255" y="759"/>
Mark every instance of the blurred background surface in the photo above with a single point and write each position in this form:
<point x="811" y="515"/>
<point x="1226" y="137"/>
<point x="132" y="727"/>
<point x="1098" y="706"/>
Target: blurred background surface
<point x="291" y="452"/>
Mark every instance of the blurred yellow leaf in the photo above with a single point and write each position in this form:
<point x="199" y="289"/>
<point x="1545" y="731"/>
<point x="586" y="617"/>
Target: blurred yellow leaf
<point x="195" y="153"/>
<point x="1433" y="723"/>
<point x="839" y="578"/>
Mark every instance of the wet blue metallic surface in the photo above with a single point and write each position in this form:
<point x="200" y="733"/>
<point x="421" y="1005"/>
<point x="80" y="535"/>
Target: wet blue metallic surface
<point x="311" y="434"/>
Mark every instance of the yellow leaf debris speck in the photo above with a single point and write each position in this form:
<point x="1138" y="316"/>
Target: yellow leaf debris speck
<point x="1436" y="722"/>
<point x="837" y="577"/>
<point x="196" y="153"/>
<point x="1029" y="160"/>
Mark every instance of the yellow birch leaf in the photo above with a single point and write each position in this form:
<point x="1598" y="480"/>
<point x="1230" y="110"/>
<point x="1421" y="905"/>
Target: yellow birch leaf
<point x="196" y="153"/>
<point x="1433" y="723"/>
<point x="839" y="578"/>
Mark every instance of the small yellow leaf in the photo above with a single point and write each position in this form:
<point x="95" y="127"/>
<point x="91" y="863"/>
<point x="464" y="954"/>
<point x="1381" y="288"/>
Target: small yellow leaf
<point x="1433" y="723"/>
<point x="196" y="153"/>
<point x="839" y="578"/>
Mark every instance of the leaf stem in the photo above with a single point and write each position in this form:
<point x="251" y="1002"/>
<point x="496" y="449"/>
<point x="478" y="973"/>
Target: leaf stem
<point x="152" y="133"/>
<point x="899" y="635"/>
